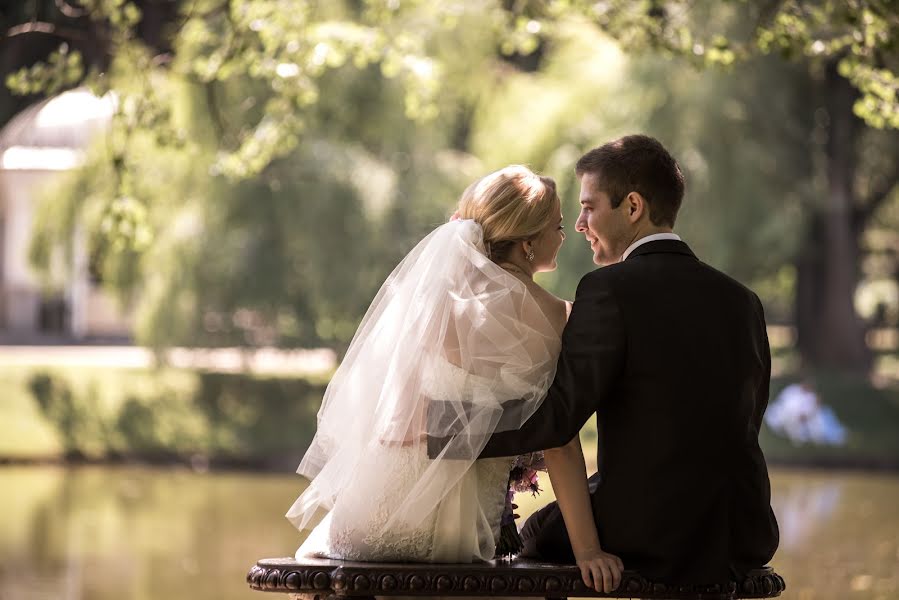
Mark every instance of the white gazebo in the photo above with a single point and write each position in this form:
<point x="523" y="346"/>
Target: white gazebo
<point x="35" y="146"/>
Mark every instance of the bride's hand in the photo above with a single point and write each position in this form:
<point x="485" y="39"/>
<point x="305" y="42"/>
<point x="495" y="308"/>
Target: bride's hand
<point x="600" y="570"/>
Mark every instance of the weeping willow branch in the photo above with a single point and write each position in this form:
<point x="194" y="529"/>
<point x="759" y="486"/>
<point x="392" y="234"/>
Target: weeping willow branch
<point x="46" y="29"/>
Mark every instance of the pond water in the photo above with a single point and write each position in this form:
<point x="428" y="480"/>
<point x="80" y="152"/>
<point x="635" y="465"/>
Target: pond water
<point x="98" y="533"/>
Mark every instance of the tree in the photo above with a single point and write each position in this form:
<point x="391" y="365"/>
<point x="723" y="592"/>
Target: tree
<point x="851" y="51"/>
<point x="844" y="53"/>
<point x="845" y="59"/>
<point x="288" y="256"/>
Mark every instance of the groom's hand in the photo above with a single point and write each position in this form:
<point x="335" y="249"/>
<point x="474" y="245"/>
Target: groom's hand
<point x="600" y="570"/>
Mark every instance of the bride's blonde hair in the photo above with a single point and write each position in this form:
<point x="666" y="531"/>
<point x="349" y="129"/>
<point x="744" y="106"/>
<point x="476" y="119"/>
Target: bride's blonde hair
<point x="511" y="205"/>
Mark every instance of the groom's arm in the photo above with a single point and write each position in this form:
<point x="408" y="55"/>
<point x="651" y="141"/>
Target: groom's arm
<point x="592" y="356"/>
<point x="764" y="350"/>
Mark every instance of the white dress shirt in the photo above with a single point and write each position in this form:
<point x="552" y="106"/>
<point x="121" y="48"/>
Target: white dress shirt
<point x="649" y="238"/>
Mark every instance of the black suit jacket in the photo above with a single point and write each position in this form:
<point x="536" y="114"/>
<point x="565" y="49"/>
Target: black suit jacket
<point x="673" y="358"/>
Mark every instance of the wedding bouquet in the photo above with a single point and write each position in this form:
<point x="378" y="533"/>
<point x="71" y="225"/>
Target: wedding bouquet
<point x="522" y="478"/>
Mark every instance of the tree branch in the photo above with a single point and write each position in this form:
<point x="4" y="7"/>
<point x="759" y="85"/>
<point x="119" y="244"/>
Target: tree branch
<point x="224" y="7"/>
<point x="875" y="199"/>
<point x="880" y="194"/>
<point x="161" y="59"/>
<point x="214" y="112"/>
<point x="47" y="29"/>
<point x="70" y="11"/>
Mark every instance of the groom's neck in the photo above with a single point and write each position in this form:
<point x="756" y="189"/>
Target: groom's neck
<point x="650" y="229"/>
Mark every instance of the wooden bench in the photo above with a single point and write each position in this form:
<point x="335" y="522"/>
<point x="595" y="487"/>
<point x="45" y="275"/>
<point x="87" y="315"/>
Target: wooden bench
<point x="320" y="579"/>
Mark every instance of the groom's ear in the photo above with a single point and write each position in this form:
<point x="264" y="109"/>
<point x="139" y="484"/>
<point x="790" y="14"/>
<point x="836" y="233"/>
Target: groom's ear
<point x="636" y="206"/>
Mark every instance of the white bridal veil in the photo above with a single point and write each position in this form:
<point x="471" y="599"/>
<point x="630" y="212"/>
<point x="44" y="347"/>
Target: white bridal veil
<point x="452" y="346"/>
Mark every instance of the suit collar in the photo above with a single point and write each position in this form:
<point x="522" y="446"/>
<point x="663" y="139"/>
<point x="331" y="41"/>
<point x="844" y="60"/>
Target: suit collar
<point x="662" y="246"/>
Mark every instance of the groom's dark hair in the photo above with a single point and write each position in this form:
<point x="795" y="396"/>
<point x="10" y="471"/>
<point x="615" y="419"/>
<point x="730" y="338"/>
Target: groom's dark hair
<point x="638" y="163"/>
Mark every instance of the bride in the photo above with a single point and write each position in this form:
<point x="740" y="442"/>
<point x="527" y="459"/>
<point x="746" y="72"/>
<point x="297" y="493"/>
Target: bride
<point x="458" y="344"/>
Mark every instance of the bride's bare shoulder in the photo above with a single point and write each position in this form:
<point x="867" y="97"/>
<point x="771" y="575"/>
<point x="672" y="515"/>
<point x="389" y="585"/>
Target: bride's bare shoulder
<point x="554" y="307"/>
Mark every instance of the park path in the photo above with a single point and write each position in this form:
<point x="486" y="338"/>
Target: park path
<point x="273" y="361"/>
<point x="231" y="360"/>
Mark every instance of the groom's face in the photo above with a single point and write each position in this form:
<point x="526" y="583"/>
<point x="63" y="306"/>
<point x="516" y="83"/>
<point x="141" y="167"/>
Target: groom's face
<point x="607" y="229"/>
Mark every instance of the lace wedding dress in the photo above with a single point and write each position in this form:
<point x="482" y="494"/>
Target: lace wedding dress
<point x="453" y="347"/>
<point x="461" y="528"/>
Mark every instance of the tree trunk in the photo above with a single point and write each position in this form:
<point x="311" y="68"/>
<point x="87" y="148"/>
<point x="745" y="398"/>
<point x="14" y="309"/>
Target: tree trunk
<point x="830" y="333"/>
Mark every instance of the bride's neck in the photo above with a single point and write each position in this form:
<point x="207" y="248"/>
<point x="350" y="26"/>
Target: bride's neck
<point x="517" y="269"/>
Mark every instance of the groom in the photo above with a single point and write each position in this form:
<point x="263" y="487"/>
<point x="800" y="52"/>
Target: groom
<point x="673" y="358"/>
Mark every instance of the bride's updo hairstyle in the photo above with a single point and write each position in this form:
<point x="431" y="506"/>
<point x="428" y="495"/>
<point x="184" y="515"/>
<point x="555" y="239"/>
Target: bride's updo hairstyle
<point x="511" y="205"/>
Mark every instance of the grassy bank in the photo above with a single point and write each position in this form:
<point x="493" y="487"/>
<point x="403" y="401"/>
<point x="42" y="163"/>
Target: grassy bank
<point x="155" y="415"/>
<point x="227" y="419"/>
<point x="871" y="416"/>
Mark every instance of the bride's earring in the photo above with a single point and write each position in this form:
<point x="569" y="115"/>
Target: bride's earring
<point x="530" y="255"/>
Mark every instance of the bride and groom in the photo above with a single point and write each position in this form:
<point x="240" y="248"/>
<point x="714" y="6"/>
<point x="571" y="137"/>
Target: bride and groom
<point x="463" y="362"/>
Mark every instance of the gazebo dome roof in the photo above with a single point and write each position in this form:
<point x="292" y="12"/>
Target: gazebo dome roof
<point x="53" y="134"/>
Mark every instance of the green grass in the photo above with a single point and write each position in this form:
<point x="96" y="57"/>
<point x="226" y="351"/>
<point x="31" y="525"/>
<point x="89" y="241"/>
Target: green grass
<point x="101" y="413"/>
<point x="24" y="432"/>
<point x="50" y="411"/>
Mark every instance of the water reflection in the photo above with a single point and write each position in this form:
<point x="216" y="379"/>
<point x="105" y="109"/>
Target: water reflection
<point x="839" y="534"/>
<point x="111" y="533"/>
<point x="97" y="533"/>
<point x="804" y="508"/>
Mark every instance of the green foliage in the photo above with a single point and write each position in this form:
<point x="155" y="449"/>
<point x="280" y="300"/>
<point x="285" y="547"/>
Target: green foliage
<point x="751" y="180"/>
<point x="258" y="185"/>
<point x="231" y="418"/>
<point x="287" y="51"/>
<point x="57" y="405"/>
<point x="862" y="36"/>
<point x="749" y="162"/>
<point x="166" y="414"/>
<point x="62" y="70"/>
